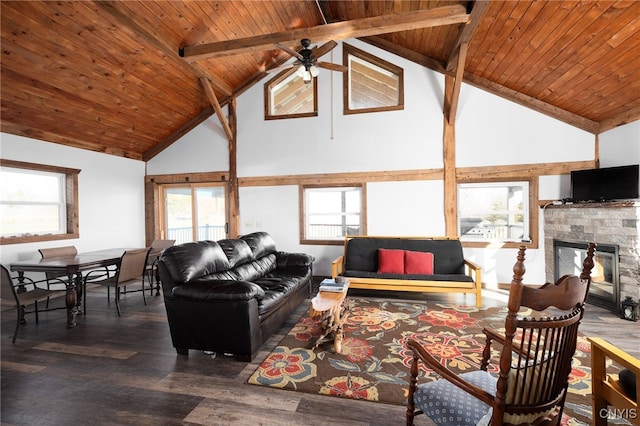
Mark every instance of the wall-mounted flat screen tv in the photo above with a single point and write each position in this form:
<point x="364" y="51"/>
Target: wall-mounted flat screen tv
<point x="605" y="184"/>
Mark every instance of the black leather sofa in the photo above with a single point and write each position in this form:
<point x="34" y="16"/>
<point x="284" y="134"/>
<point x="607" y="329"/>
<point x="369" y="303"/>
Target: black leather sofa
<point x="229" y="296"/>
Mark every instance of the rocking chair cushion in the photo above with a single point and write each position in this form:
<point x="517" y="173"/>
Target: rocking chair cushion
<point x="445" y="403"/>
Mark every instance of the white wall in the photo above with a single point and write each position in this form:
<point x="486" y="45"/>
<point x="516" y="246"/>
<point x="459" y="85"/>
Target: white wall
<point x="203" y="149"/>
<point x="334" y="142"/>
<point x="620" y="146"/>
<point x="110" y="196"/>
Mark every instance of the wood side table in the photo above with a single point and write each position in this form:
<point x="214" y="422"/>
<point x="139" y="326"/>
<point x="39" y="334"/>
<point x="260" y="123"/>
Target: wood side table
<point x="330" y="306"/>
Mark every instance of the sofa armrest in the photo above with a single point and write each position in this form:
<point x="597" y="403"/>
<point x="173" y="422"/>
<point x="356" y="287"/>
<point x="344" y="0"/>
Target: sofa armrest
<point x="337" y="267"/>
<point x="473" y="270"/>
<point x="218" y="290"/>
<point x="472" y="266"/>
<point x="291" y="260"/>
<point x="607" y="389"/>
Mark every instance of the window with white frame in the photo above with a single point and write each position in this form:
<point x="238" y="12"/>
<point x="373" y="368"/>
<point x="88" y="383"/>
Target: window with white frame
<point x="331" y="213"/>
<point x="494" y="212"/>
<point x="37" y="202"/>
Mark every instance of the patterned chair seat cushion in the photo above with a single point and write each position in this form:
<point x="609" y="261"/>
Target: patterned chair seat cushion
<point x="447" y="404"/>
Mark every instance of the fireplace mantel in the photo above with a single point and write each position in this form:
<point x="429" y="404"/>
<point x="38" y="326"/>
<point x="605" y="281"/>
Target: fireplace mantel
<point x="596" y="204"/>
<point x="611" y="223"/>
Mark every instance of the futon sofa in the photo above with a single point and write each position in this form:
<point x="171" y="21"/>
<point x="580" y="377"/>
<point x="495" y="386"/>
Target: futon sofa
<point x="421" y="264"/>
<point x="229" y="296"/>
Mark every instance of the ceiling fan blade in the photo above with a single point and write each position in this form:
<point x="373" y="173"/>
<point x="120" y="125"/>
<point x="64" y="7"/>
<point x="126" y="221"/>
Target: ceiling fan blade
<point x="324" y="49"/>
<point x="289" y="51"/>
<point x="332" y="67"/>
<point x="280" y="68"/>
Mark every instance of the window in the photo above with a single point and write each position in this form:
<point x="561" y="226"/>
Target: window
<point x="331" y="213"/>
<point x="289" y="96"/>
<point x="371" y="83"/>
<point x="494" y="212"/>
<point x="195" y="212"/>
<point x="37" y="202"/>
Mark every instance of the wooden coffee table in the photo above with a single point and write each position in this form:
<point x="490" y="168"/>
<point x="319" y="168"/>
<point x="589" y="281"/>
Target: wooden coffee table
<point x="332" y="310"/>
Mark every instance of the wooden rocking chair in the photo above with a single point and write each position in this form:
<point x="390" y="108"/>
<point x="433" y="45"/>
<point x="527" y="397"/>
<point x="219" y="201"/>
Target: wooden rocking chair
<point x="535" y="360"/>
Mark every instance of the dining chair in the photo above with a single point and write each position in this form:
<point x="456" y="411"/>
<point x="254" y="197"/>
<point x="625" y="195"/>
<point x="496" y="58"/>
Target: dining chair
<point x="534" y="363"/>
<point x="129" y="271"/>
<point x="157" y="247"/>
<point x="25" y="294"/>
<point x="53" y="278"/>
<point x="57" y="277"/>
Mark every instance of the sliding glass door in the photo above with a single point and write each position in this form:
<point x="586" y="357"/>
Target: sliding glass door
<point x="195" y="212"/>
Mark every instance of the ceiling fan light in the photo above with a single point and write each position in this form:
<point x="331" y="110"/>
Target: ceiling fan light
<point x="314" y="71"/>
<point x="301" y="70"/>
<point x="307" y="76"/>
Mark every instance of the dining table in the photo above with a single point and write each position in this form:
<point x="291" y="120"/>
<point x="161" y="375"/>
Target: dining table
<point x="72" y="267"/>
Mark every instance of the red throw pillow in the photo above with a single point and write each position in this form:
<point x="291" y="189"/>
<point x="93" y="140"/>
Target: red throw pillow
<point x="390" y="261"/>
<point x="417" y="262"/>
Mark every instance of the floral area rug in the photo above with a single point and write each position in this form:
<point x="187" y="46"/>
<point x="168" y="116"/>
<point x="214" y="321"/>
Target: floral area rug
<point x="374" y="363"/>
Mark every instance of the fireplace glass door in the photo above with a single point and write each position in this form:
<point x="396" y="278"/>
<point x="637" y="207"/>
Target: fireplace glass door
<point x="604" y="275"/>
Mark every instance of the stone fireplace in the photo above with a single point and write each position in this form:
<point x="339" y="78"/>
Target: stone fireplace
<point x="615" y="228"/>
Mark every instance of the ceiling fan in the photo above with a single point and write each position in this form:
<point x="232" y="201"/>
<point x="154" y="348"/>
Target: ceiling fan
<point x="307" y="60"/>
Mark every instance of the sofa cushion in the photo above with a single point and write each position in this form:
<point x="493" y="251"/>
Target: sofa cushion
<point x="417" y="262"/>
<point x="390" y="261"/>
<point x="362" y="253"/>
<point x="209" y="290"/>
<point x="256" y="269"/>
<point x="237" y="251"/>
<point x="189" y="261"/>
<point x="293" y="260"/>
<point x="261" y="244"/>
<point x="272" y="301"/>
<point x="298" y="274"/>
<point x="279" y="283"/>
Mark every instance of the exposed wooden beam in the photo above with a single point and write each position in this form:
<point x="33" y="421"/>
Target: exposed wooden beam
<point x="152" y="35"/>
<point x="532" y="103"/>
<point x="467" y="32"/>
<point x="447" y="15"/>
<point x="405" y="53"/>
<point x="343" y="178"/>
<point x="518" y="171"/>
<point x="451" y="98"/>
<point x="204" y="114"/>
<point x="449" y="160"/>
<point x="216" y="107"/>
<point x="234" y="194"/>
<point x="624" y="118"/>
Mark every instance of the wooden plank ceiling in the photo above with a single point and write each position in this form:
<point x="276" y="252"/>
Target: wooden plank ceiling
<point x="109" y="76"/>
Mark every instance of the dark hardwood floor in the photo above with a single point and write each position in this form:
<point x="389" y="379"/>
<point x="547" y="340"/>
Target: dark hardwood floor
<point x="112" y="370"/>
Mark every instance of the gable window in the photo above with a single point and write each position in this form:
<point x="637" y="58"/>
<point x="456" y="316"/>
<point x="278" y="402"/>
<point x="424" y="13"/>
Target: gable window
<point x="329" y="214"/>
<point x="289" y="96"/>
<point x="495" y="212"/>
<point x="371" y="84"/>
<point x="37" y="202"/>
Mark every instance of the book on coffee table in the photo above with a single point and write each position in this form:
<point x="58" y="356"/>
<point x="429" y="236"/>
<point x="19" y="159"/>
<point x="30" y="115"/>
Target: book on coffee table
<point x="331" y="285"/>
